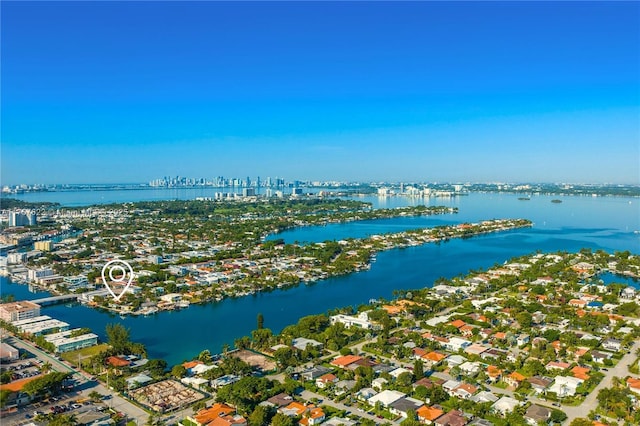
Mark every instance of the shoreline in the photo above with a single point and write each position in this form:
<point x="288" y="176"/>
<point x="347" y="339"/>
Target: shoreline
<point x="403" y="240"/>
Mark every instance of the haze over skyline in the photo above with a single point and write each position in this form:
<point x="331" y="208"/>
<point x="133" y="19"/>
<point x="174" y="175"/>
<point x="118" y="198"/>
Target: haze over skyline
<point x="103" y="92"/>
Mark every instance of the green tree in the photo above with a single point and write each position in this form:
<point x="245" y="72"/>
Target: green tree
<point x="580" y="421"/>
<point x="63" y="420"/>
<point x="418" y="369"/>
<point x="118" y="338"/>
<point x="5" y="394"/>
<point x="178" y="371"/>
<point x="6" y="377"/>
<point x="260" y="321"/>
<point x="49" y="383"/>
<point x="281" y="420"/>
<point x="260" y="416"/>
<point x="205" y="356"/>
<point x="95" y="396"/>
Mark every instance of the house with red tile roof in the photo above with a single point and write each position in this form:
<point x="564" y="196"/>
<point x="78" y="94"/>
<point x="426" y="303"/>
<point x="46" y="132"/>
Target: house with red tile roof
<point x="452" y="418"/>
<point x="294" y="408"/>
<point x="189" y="365"/>
<point x="432" y="358"/>
<point x="577" y="303"/>
<point x="633" y="384"/>
<point x="116" y="361"/>
<point x="344" y="361"/>
<point x="207" y="415"/>
<point x="457" y="323"/>
<point x="494" y="373"/>
<point x="580" y="372"/>
<point x="427" y="414"/>
<point x="514" y="379"/>
<point x="235" y="420"/>
<point x="500" y="335"/>
<point x="326" y="380"/>
<point x="465" y="391"/>
<point x="557" y="365"/>
<point x="313" y="416"/>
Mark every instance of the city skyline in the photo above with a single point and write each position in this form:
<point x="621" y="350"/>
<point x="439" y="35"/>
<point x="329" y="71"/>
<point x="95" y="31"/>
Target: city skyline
<point x="458" y="92"/>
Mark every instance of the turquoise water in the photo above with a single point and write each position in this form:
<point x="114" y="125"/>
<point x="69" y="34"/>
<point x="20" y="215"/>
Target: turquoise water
<point x="597" y="223"/>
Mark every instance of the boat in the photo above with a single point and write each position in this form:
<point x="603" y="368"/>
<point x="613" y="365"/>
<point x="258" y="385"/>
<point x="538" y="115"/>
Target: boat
<point x="556" y="201"/>
<point x="524" y="198"/>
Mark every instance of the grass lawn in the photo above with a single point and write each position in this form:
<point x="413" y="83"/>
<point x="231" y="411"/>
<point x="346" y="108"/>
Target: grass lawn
<point x="83" y="355"/>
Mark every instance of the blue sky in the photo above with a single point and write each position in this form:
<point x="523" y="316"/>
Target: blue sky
<point x="432" y="91"/>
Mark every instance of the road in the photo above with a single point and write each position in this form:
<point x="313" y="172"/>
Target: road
<point x="621" y="370"/>
<point x="85" y="384"/>
<point x="307" y="395"/>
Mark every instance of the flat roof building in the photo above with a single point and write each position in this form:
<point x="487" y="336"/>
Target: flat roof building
<point x="16" y="311"/>
<point x="63" y="342"/>
<point x="8" y="352"/>
<point x="44" y="327"/>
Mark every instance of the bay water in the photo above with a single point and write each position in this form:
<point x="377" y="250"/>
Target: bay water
<point x="606" y="223"/>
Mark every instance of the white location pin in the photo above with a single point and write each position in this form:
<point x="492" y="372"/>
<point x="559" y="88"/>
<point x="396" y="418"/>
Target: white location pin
<point x="122" y="267"/>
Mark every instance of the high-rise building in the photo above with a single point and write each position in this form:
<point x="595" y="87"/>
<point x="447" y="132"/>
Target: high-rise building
<point x="23" y="219"/>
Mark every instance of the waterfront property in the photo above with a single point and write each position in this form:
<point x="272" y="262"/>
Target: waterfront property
<point x="66" y="341"/>
<point x="16" y="311"/>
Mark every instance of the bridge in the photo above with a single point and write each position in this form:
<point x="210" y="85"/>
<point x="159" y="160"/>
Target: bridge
<point x="56" y="299"/>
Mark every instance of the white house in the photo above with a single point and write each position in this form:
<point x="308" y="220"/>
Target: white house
<point x="362" y="320"/>
<point x="469" y="368"/>
<point x="505" y="405"/>
<point x="386" y="397"/>
<point x="565" y="386"/>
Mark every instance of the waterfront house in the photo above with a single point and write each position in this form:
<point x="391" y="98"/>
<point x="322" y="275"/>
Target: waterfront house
<point x="224" y="381"/>
<point x="301" y="343"/>
<point x="361" y="321"/>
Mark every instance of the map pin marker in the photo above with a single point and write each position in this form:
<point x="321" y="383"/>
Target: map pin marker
<point x="122" y="267"/>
